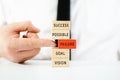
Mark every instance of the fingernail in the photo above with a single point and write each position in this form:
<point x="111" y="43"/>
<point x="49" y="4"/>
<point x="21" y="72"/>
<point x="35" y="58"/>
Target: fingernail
<point x="36" y="28"/>
<point x="53" y="44"/>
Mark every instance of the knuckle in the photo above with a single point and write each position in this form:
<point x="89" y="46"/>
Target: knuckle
<point x="28" y="22"/>
<point x="37" y="50"/>
<point x="12" y="55"/>
<point x="14" y="58"/>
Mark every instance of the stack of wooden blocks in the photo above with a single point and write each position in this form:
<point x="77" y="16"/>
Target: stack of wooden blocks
<point x="60" y="31"/>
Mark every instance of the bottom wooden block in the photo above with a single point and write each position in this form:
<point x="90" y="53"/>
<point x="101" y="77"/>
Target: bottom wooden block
<point x="60" y="63"/>
<point x="60" y="57"/>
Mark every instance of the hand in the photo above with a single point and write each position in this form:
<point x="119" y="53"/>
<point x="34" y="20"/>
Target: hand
<point x="18" y="49"/>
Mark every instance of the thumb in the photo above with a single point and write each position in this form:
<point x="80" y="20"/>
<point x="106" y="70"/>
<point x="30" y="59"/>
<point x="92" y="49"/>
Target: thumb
<point x="23" y="26"/>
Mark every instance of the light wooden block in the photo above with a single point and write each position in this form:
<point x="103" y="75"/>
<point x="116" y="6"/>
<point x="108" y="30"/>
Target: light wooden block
<point x="60" y="63"/>
<point x="65" y="25"/>
<point x="64" y="53"/>
<point x="60" y="34"/>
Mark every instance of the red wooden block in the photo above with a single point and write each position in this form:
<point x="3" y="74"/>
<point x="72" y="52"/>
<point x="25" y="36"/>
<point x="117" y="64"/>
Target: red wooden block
<point x="66" y="43"/>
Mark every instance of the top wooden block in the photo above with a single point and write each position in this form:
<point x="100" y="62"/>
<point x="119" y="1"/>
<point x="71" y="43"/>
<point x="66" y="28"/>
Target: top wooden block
<point x="63" y="25"/>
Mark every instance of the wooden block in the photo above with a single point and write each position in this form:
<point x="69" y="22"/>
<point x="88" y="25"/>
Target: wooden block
<point x="65" y="25"/>
<point x="60" y="63"/>
<point x="66" y="44"/>
<point x="60" y="57"/>
<point x="60" y="34"/>
<point x="60" y="53"/>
